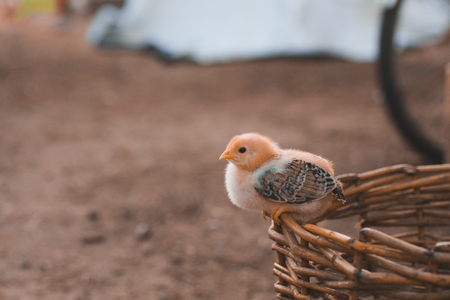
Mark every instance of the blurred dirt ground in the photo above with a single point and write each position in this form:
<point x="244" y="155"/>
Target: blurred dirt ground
<point x="95" y="144"/>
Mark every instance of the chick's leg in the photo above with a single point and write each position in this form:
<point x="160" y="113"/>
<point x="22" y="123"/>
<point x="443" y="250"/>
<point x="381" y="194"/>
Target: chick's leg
<point x="276" y="213"/>
<point x="264" y="214"/>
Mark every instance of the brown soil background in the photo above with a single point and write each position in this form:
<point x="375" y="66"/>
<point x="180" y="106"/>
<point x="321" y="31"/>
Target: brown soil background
<point x="94" y="143"/>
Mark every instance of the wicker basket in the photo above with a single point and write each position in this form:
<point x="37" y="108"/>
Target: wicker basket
<point x="411" y="262"/>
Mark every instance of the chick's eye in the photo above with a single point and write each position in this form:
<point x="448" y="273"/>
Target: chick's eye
<point x="242" y="150"/>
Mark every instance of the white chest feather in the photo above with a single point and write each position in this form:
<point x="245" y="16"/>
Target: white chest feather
<point x="241" y="184"/>
<point x="240" y="188"/>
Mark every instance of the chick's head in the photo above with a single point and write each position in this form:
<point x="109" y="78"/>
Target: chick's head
<point x="249" y="151"/>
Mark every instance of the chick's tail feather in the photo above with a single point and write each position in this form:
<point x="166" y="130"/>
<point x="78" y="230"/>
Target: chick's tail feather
<point x="339" y="193"/>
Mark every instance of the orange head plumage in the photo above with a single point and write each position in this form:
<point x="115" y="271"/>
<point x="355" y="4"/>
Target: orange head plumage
<point x="250" y="150"/>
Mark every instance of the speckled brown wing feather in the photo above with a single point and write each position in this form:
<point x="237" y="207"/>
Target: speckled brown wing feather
<point x="300" y="182"/>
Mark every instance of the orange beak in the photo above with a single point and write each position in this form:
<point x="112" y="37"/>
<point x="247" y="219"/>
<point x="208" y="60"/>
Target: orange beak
<point x="227" y="155"/>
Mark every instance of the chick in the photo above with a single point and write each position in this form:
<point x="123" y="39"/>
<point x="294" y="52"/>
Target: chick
<point x="261" y="176"/>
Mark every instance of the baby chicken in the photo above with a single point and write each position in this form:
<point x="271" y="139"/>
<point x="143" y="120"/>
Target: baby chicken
<point x="261" y="176"/>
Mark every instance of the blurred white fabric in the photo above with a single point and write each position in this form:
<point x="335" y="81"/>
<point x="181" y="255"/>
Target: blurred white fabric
<point x="208" y="31"/>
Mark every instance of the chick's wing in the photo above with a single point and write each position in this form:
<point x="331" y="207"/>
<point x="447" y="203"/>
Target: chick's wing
<point x="300" y="182"/>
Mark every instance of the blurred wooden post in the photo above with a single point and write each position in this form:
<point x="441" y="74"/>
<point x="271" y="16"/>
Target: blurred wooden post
<point x="446" y="112"/>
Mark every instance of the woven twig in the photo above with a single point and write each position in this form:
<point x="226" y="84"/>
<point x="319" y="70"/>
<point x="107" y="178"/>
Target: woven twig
<point x="317" y="263"/>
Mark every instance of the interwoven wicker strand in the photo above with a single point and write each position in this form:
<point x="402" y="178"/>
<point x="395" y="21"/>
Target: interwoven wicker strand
<point x="412" y="262"/>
